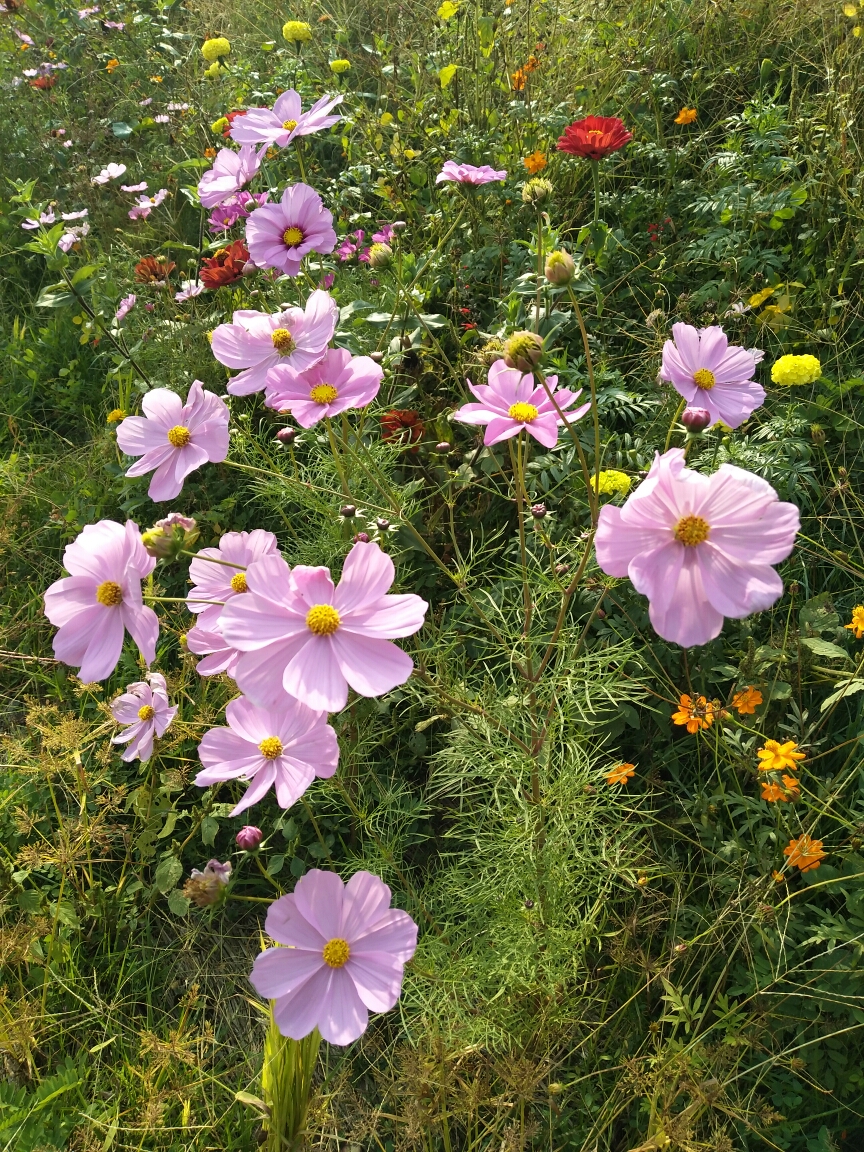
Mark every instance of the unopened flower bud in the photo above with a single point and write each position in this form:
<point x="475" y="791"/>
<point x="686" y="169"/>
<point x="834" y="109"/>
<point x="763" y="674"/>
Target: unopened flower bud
<point x="361" y="538"/>
<point x="286" y="435"/>
<point x="249" y="268"/>
<point x="381" y="524"/>
<point x="695" y="419"/>
<point x="536" y="191"/>
<point x="347" y="510"/>
<point x="169" y="536"/>
<point x="380" y="256"/>
<point x="249" y="837"/>
<point x="562" y="569"/>
<point x="560" y="267"/>
<point x="376" y="356"/>
<point x="523" y="350"/>
<point x="817" y="433"/>
<point x="538" y="511"/>
<point x="443" y="447"/>
<point x="208" y="887"/>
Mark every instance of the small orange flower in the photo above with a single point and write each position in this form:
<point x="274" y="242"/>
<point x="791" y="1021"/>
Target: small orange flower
<point x="535" y="163"/>
<point x="778" y="877"/>
<point x="804" y="853"/>
<point x="686" y="116"/>
<point x="695" y="714"/>
<point x="792" y="786"/>
<point x="773" y="791"/>
<point x="747" y="701"/>
<point x="621" y="774"/>
<point x="156" y="79"/>
<point x="775" y="756"/>
<point x="209" y="153"/>
<point x="111" y="65"/>
<point x="857" y="624"/>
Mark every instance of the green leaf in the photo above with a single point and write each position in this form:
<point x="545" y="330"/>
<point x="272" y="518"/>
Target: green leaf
<point x="122" y="130"/>
<point x="818" y="615"/>
<point x="844" y="688"/>
<point x="55" y="296"/>
<point x="167" y="874"/>
<point x="274" y="865"/>
<point x="209" y="828"/>
<point x="446" y="74"/>
<point x="168" y="827"/>
<point x="824" y="648"/>
<point x="178" y="903"/>
<point x="194" y="162"/>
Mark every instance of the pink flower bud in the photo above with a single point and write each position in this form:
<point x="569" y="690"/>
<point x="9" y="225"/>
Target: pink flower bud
<point x="695" y="419"/>
<point x="249" y="837"/>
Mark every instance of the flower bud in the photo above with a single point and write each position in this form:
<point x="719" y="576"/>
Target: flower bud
<point x="347" y="510"/>
<point x="376" y="356"/>
<point x="817" y="433"/>
<point x="361" y="538"/>
<point x="286" y="435"/>
<point x="381" y="524"/>
<point x="537" y="191"/>
<point x="249" y="837"/>
<point x="380" y="256"/>
<point x="169" y="536"/>
<point x="538" y="511"/>
<point x="695" y="419"/>
<point x="208" y="887"/>
<point x="560" y="267"/>
<point x="443" y="447"/>
<point x="523" y="350"/>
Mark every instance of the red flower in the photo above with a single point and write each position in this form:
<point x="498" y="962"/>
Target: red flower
<point x="402" y="424"/>
<point x="231" y="117"/>
<point x="226" y="266"/>
<point x="43" y="82"/>
<point x="594" y="137"/>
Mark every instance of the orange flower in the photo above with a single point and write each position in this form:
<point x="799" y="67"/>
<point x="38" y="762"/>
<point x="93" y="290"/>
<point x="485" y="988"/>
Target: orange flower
<point x="521" y="74"/>
<point x="773" y="791"/>
<point x="792" y="786"/>
<point x="778" y="877"/>
<point x="857" y="624"/>
<point x="535" y="163"/>
<point x="209" y="153"/>
<point x="225" y="266"/>
<point x="686" y="116"/>
<point x="621" y="774"/>
<point x="775" y="756"/>
<point x="154" y="270"/>
<point x="747" y="701"/>
<point x="695" y="714"/>
<point x="111" y="65"/>
<point x="804" y="853"/>
<point x="156" y="79"/>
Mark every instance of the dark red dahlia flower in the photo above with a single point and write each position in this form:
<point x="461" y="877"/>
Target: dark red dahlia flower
<point x="226" y="266"/>
<point x="594" y="137"/>
<point x="402" y="424"/>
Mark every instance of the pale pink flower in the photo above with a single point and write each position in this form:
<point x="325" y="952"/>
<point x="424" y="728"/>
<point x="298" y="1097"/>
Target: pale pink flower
<point x="344" y="956"/>
<point x="126" y="306"/>
<point x="513" y="401"/>
<point x="218" y="655"/>
<point x="188" y="289"/>
<point x="230" y="171"/>
<point x="709" y="374"/>
<point x="142" y="187"/>
<point x="219" y="574"/>
<point x="48" y="217"/>
<point x="284" y="747"/>
<point x="337" y="382"/>
<point x="74" y="215"/>
<point x="163" y="118"/>
<point x="146" y="204"/>
<point x="468" y="174"/>
<point x="257" y="341"/>
<point x="699" y="547"/>
<point x="280" y="235"/>
<point x="175" y="438"/>
<point x="73" y="236"/>
<point x="109" y="172"/>
<point x="145" y="710"/>
<point x="299" y="632"/>
<point x="285" y="121"/>
<point x="101" y="599"/>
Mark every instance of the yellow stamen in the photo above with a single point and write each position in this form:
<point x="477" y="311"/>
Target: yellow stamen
<point x="292" y="236"/>
<point x="704" y="378"/>
<point x="178" y="436"/>
<point x="109" y="593"/>
<point x="322" y="620"/>
<point x="283" y="341"/>
<point x="270" y="747"/>
<point x="692" y="530"/>
<point x="523" y="413"/>
<point x="146" y="712"/>
<point x="323" y="394"/>
<point x="336" y="953"/>
<point x="289" y="125"/>
<point x="238" y="583"/>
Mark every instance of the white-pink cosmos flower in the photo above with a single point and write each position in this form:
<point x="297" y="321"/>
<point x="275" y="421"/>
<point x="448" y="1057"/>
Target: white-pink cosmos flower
<point x="709" y="374"/>
<point x="284" y="748"/>
<point x="337" y="382"/>
<point x="230" y="171"/>
<point x="146" y="711"/>
<point x="109" y="172"/>
<point x="279" y="235"/>
<point x="101" y="599"/>
<point x="301" y="633"/>
<point x="699" y="547"/>
<point x="175" y="438"/>
<point x="344" y="956"/>
<point x="219" y="574"/>
<point x="146" y="204"/>
<point x="285" y="121"/>
<point x="512" y="401"/>
<point x="218" y="654"/>
<point x="257" y="341"/>
<point x="468" y="174"/>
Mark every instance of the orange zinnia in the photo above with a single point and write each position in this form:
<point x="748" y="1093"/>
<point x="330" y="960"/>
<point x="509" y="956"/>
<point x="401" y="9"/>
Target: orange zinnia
<point x="621" y="774"/>
<point x="747" y="701"/>
<point x="695" y="714"/>
<point x="804" y="853"/>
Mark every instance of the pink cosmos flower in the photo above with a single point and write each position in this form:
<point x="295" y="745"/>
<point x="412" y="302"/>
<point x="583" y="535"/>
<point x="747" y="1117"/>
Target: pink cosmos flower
<point x="145" y="709"/>
<point x="286" y="747"/>
<point x="230" y="171"/>
<point x="285" y="121"/>
<point x="146" y="204"/>
<point x="218" y="655"/>
<point x="699" y="547"/>
<point x="345" y="955"/>
<point x="114" y="25"/>
<point x="513" y="401"/>
<point x="336" y="382"/>
<point x="142" y="187"/>
<point x="109" y="172"/>
<point x="24" y="38"/>
<point x="188" y="289"/>
<point x="73" y="236"/>
<point x="126" y="306"/>
<point x="162" y="119"/>
<point x="175" y="438"/>
<point x="298" y="632"/>
<point x="101" y="599"/>
<point x="219" y="574"/>
<point x="468" y="174"/>
<point x="709" y="374"/>
<point x="280" y="235"/>
<point x="29" y="225"/>
<point x="257" y="342"/>
<point x="385" y="234"/>
<point x="74" y="215"/>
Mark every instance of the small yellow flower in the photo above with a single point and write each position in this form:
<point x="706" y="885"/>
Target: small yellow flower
<point x="215" y="48"/>
<point x="156" y="79"/>
<point x="686" y="116"/>
<point x="296" y="32"/>
<point x="210" y="153"/>
<point x="856" y="31"/>
<point x="778" y="877"/>
<point x="747" y="701"/>
<point x="115" y="416"/>
<point x="850" y="10"/>
<point x="610" y="482"/>
<point x="796" y="370"/>
<point x="775" y="757"/>
<point x="535" y="163"/>
<point x="857" y="624"/>
<point x="111" y="65"/>
<point x="339" y="66"/>
<point x="220" y="125"/>
<point x="448" y="10"/>
<point x="214" y="71"/>
<point x="621" y="774"/>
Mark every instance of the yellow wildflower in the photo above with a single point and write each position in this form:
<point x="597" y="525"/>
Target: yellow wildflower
<point x="215" y="48"/>
<point x="747" y="701"/>
<point x="695" y="714"/>
<point x="610" y="482"/>
<point x="296" y="32"/>
<point x="535" y="163"/>
<point x="805" y="853"/>
<point x="621" y="774"/>
<point x="111" y="65"/>
<point x="775" y="756"/>
<point x="115" y="416"/>
<point x="686" y="116"/>
<point x="796" y="370"/>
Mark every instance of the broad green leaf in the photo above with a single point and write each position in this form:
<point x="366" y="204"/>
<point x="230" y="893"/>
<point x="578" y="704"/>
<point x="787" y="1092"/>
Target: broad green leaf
<point x="446" y="74"/>
<point x="844" y="688"/>
<point x="167" y="874"/>
<point x="824" y="648"/>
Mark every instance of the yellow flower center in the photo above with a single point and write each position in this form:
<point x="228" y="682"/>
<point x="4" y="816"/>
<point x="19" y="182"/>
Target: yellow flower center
<point x="109" y="593"/>
<point x="704" y="378"/>
<point x="289" y="125"/>
<point x="336" y="953"/>
<point x="323" y="394"/>
<point x="238" y="583"/>
<point x="178" y="436"/>
<point x="292" y="236"/>
<point x="282" y="339"/>
<point x="270" y="747"/>
<point x="146" y="712"/>
<point x="692" y="530"/>
<point x="323" y="620"/>
<point x="523" y="413"/>
<point x="594" y="132"/>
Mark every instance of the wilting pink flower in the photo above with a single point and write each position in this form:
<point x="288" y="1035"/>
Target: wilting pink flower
<point x="101" y="598"/>
<point x="219" y="574"/>
<point x="468" y="174"/>
<point x="709" y="374"/>
<point x="280" y="235"/>
<point x="345" y="955"/>
<point x="257" y="342"/>
<point x="142" y="187"/>
<point x="230" y="171"/>
<point x="146" y="204"/>
<point x="336" y="382"/>
<point x="249" y="837"/>
<point x="699" y="547"/>
<point x="188" y="289"/>
<point x="109" y="172"/>
<point x="72" y="236"/>
<point x="300" y="633"/>
<point x="126" y="306"/>
<point x="24" y="38"/>
<point x="284" y="747"/>
<point x="513" y="401"/>
<point x="145" y="710"/>
<point x="113" y="25"/>
<point x="218" y="654"/>
<point x="210" y="886"/>
<point x="285" y="121"/>
<point x="175" y="438"/>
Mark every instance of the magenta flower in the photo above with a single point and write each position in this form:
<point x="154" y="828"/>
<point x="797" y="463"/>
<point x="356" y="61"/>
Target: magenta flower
<point x="101" y="599"/>
<point x="284" y="747"/>
<point x="145" y="710"/>
<point x="285" y="121"/>
<point x="249" y="837"/>
<point x="230" y="171"/>
<point x="126" y="306"/>
<point x="280" y="235"/>
<point x="175" y="438"/>
<point x="709" y="374"/>
<point x="146" y="204"/>
<point x="512" y="401"/>
<point x="385" y="235"/>
<point x="218" y="655"/>
<point x="699" y="547"/>
<point x="219" y="574"/>
<point x="298" y="632"/>
<point x="346" y="950"/>
<point x="468" y="174"/>
<point x="336" y="382"/>
<point x="257" y="342"/>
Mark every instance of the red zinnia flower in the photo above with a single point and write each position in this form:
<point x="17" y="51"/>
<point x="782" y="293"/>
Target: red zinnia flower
<point x="402" y="424"/>
<point x="231" y="117"/>
<point x="226" y="266"/>
<point x="43" y="82"/>
<point x="594" y="137"/>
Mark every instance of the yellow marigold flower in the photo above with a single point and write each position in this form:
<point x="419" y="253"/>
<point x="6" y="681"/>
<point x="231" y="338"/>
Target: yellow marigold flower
<point x="775" y="756"/>
<point x="115" y="416"/>
<point x="212" y="49"/>
<point x="850" y="10"/>
<point x="695" y="714"/>
<point x="857" y="624"/>
<point x="686" y="116"/>
<point x="610" y="482"/>
<point x="747" y="701"/>
<point x="804" y="853"/>
<point x="296" y="31"/>
<point x="796" y="370"/>
<point x="621" y="774"/>
<point x="339" y="66"/>
<point x="111" y="65"/>
<point x="535" y="163"/>
<point x="219" y="125"/>
<point x="214" y="71"/>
